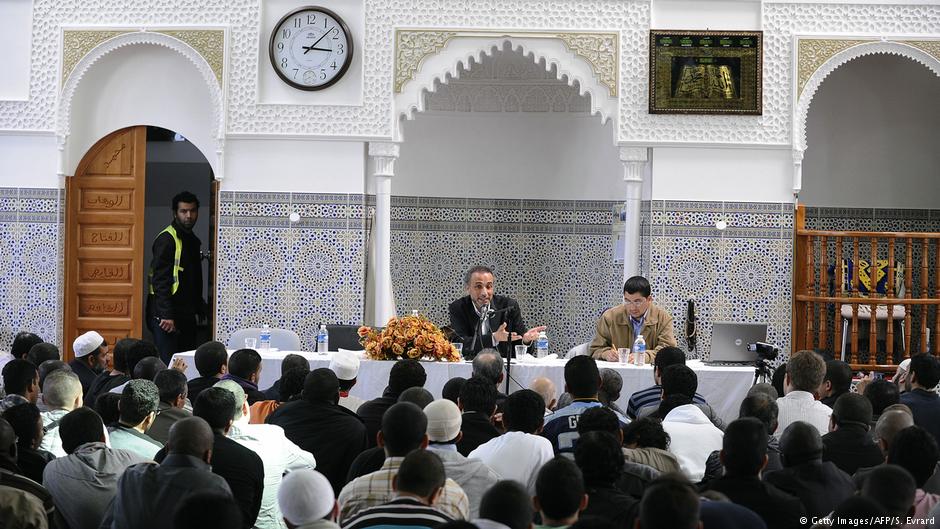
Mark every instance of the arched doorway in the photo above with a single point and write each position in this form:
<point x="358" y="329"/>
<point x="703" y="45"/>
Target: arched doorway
<point x="115" y="205"/>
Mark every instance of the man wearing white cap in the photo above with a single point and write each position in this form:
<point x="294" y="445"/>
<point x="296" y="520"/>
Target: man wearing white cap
<point x="91" y="357"/>
<point x="306" y="501"/>
<point x="473" y="476"/>
<point x="346" y="367"/>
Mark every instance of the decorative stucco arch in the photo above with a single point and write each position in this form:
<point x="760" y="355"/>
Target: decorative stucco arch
<point x="425" y="58"/>
<point x="190" y="67"/>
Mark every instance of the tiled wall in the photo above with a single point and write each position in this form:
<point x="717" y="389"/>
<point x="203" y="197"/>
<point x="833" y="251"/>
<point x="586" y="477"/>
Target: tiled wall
<point x="293" y="276"/>
<point x="740" y="274"/>
<point x="554" y="257"/>
<point x="30" y="263"/>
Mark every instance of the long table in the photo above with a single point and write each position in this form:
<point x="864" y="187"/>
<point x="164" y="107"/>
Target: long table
<point x="723" y="387"/>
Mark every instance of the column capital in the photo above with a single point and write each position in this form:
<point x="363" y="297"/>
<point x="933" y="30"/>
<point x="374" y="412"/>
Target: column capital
<point x="386" y="149"/>
<point x="633" y="154"/>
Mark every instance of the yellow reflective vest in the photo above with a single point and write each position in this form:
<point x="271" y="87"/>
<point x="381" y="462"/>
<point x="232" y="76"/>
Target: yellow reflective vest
<point x="176" y="259"/>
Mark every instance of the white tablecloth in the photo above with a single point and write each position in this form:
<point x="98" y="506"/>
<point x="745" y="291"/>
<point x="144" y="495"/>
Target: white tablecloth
<point x="723" y="387"/>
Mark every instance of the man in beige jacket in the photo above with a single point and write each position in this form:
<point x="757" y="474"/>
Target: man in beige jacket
<point x="618" y="325"/>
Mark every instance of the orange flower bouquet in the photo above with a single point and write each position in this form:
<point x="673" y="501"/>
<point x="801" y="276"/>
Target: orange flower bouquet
<point x="408" y="337"/>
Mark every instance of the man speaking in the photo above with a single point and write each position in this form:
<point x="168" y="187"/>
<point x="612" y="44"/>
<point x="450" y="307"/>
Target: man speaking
<point x="483" y="319"/>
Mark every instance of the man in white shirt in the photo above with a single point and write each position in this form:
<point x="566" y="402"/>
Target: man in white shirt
<point x="692" y="435"/>
<point x="805" y="373"/>
<point x="346" y="367"/>
<point x="519" y="453"/>
<point x="276" y="451"/>
<point x="62" y="393"/>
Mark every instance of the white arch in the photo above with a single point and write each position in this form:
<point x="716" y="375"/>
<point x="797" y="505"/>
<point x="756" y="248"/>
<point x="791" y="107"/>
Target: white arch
<point x="813" y="83"/>
<point x="206" y="133"/>
<point x="569" y="67"/>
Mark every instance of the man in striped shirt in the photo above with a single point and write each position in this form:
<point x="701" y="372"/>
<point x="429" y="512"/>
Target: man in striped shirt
<point x="417" y="487"/>
<point x="646" y="401"/>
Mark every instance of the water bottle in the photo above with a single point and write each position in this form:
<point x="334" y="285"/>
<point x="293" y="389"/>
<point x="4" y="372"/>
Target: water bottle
<point x="323" y="340"/>
<point x="541" y="345"/>
<point x="264" y="339"/>
<point x="639" y="350"/>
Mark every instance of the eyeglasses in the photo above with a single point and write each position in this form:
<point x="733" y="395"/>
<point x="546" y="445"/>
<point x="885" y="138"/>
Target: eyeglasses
<point x="637" y="303"/>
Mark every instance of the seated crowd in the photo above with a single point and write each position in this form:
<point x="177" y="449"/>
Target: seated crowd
<point x="137" y="445"/>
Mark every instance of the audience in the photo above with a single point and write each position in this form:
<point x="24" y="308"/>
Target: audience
<point x="744" y="455"/>
<point x="118" y="375"/>
<point x="418" y="486"/>
<point x="147" y="493"/>
<point x="306" y="501"/>
<point x="777" y="379"/>
<point x="506" y="505"/>
<point x="346" y="366"/>
<point x="172" y="387"/>
<point x="420" y="397"/>
<point x="22" y="343"/>
<point x="693" y="436"/>
<point x="27" y="423"/>
<point x="21" y="384"/>
<point x="207" y="509"/>
<point x="211" y="359"/>
<point x="289" y="362"/>
<point x="477" y="402"/>
<point x="62" y="393"/>
<point x="646" y="401"/>
<point x="84" y="481"/>
<point x="820" y="485"/>
<point x="635" y="477"/>
<point x="546" y="389"/>
<point x="404" y="429"/>
<point x="892" y="421"/>
<point x="403" y="375"/>
<point x="915" y="450"/>
<point x="317" y="424"/>
<point x="488" y="365"/>
<point x="669" y="504"/>
<point x="473" y="476"/>
<point x="106" y="406"/>
<point x="12" y="477"/>
<point x="559" y="492"/>
<point x="451" y="389"/>
<point x="611" y="386"/>
<point x="244" y="367"/>
<point x="646" y="442"/>
<point x="45" y="369"/>
<point x="41" y="352"/>
<point x="921" y="399"/>
<point x="805" y="373"/>
<point x="600" y="459"/>
<point x="278" y="454"/>
<point x="836" y="382"/>
<point x="762" y="406"/>
<point x="894" y="489"/>
<point x="292" y="385"/>
<point x="520" y="452"/>
<point x="147" y="368"/>
<point x="881" y="393"/>
<point x="138" y="407"/>
<point x="582" y="381"/>
<point x="849" y="444"/>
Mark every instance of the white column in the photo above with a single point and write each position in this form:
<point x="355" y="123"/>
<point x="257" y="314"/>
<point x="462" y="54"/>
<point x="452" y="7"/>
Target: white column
<point x="634" y="160"/>
<point x="383" y="155"/>
<point x="797" y="172"/>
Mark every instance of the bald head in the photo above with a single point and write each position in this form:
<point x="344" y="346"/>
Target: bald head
<point x="800" y="443"/>
<point x="892" y="421"/>
<point x="191" y="436"/>
<point x="546" y="389"/>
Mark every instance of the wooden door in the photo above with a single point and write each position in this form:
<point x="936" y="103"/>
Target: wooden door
<point x="104" y="246"/>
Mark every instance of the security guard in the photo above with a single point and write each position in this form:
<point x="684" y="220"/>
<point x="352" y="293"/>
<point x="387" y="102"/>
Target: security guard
<point x="175" y="299"/>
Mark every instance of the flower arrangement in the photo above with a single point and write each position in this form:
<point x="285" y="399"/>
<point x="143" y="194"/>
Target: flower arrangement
<point x="408" y="337"/>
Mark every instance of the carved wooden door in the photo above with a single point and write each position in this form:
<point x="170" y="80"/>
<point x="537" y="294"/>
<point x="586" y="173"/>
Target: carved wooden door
<point x="104" y="246"/>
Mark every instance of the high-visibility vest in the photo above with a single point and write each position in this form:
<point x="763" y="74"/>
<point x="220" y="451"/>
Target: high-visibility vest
<point x="176" y="260"/>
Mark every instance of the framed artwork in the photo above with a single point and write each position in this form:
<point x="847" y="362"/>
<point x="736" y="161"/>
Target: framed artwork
<point x="706" y="72"/>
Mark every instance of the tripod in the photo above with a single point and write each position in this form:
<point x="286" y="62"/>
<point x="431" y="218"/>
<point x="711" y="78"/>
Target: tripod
<point x="762" y="372"/>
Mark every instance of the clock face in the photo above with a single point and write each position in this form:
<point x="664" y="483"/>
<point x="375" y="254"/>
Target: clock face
<point x="310" y="48"/>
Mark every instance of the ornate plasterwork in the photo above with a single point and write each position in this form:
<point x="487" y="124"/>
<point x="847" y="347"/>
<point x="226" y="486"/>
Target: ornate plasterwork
<point x="77" y="43"/>
<point x="412" y="46"/>
<point x="210" y="43"/>
<point x="812" y="53"/>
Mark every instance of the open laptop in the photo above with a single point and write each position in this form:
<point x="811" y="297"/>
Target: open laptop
<point x="730" y="340"/>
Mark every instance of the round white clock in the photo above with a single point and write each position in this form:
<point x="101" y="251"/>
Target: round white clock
<point x="310" y="48"/>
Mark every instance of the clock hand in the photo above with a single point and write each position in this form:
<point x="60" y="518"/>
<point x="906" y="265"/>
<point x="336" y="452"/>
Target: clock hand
<point x="324" y="34"/>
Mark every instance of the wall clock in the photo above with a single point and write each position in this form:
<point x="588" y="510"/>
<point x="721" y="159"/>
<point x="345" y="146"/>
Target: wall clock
<point x="310" y="48"/>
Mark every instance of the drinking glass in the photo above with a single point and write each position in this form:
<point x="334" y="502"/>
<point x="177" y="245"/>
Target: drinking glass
<point x="251" y="343"/>
<point x="521" y="350"/>
<point x="624" y="354"/>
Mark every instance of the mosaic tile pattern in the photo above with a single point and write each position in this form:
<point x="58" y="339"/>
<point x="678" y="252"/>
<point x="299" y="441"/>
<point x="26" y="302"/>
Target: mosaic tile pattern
<point x="740" y="274"/>
<point x="555" y="257"/>
<point x="31" y="253"/>
<point x="293" y="276"/>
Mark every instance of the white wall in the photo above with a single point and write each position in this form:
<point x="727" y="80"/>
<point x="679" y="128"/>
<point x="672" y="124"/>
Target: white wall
<point x="722" y="174"/>
<point x="28" y="160"/>
<point x="509" y="155"/>
<point x="294" y="165"/>
<point x="705" y="14"/>
<point x="872" y="137"/>
<point x="16" y="31"/>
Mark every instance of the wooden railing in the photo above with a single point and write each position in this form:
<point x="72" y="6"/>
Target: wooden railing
<point x="815" y="306"/>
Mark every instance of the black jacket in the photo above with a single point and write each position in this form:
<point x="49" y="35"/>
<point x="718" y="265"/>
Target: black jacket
<point x="464" y="321"/>
<point x="777" y="508"/>
<point x="477" y="429"/>
<point x="333" y="434"/>
<point x="367" y="462"/>
<point x="242" y="469"/>
<point x="198" y="385"/>
<point x="821" y="486"/>
<point x="102" y="384"/>
<point x="371" y="413"/>
<point x="187" y="302"/>
<point x="611" y="505"/>
<point x="851" y="448"/>
<point x="86" y="375"/>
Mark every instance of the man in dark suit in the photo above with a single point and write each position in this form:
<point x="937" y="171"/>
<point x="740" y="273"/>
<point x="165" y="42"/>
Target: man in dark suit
<point x="483" y="319"/>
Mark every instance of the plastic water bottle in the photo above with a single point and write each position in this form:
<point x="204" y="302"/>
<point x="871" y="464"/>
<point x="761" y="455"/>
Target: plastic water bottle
<point x="639" y="350"/>
<point x="541" y="345"/>
<point x="264" y="339"/>
<point x="323" y="340"/>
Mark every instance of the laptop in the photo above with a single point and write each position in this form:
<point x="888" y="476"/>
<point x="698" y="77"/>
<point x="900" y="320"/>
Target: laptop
<point x="730" y="341"/>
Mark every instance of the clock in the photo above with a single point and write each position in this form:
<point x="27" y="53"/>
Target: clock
<point x="310" y="48"/>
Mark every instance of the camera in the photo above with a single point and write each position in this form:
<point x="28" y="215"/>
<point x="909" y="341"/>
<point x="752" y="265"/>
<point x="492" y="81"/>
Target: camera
<point x="765" y="351"/>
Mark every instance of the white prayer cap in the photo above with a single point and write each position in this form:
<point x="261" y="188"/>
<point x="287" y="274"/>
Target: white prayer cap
<point x="305" y="496"/>
<point x="905" y="365"/>
<point x="444" y="420"/>
<point x="87" y="343"/>
<point x="345" y="365"/>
